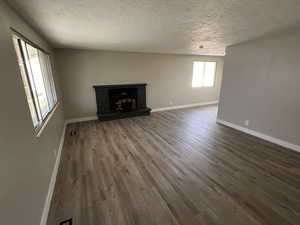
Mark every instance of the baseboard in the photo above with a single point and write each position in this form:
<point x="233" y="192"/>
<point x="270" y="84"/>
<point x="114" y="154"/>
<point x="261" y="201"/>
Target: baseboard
<point x="261" y="135"/>
<point x="53" y="179"/>
<point x="185" y="106"/>
<point x="90" y="118"/>
<point x="81" y="119"/>
<point x="228" y="124"/>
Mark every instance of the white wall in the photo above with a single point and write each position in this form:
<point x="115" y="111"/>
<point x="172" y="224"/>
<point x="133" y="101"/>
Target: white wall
<point x="169" y="78"/>
<point x="26" y="162"/>
<point x="261" y="83"/>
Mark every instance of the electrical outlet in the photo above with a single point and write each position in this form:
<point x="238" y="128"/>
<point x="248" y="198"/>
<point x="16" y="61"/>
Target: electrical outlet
<point x="247" y="123"/>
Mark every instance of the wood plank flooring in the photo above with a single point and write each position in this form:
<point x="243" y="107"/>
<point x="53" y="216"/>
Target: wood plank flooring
<point x="174" y="168"/>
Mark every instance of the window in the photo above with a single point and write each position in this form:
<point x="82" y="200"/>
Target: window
<point x="204" y="74"/>
<point x="36" y="72"/>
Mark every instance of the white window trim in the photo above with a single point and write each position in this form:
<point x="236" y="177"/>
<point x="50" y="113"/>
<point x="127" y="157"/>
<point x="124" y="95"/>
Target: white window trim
<point x="39" y="130"/>
<point x="215" y="75"/>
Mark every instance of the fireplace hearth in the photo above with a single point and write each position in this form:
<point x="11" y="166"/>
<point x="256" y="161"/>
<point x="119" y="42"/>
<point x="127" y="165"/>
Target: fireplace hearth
<point x="121" y="101"/>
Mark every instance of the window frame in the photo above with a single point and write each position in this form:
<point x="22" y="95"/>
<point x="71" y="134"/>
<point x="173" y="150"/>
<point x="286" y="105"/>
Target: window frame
<point x="46" y="69"/>
<point x="215" y="73"/>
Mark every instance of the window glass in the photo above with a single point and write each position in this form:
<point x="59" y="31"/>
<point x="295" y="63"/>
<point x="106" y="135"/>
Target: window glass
<point x="36" y="72"/>
<point x="209" y="74"/>
<point x="204" y="74"/>
<point x="27" y="87"/>
<point x="38" y="79"/>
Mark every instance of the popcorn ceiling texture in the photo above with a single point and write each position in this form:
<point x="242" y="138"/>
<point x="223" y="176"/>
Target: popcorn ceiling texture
<point x="157" y="26"/>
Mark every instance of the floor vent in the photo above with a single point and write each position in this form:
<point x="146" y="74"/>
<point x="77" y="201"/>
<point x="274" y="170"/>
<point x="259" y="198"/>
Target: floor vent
<point x="66" y="222"/>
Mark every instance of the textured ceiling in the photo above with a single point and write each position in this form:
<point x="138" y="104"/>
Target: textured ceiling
<point x="158" y="26"/>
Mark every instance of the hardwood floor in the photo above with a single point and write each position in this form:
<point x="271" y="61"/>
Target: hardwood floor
<point x="174" y="168"/>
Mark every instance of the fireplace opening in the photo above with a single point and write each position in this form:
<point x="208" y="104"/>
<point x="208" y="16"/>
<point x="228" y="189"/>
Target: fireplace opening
<point x="120" y="101"/>
<point x="123" y="99"/>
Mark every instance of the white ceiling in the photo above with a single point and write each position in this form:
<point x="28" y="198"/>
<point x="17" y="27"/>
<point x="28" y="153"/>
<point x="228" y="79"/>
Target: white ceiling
<point x="157" y="26"/>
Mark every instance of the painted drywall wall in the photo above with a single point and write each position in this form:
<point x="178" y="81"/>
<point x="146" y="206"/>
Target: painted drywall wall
<point x="169" y="78"/>
<point x="261" y="84"/>
<point x="26" y="162"/>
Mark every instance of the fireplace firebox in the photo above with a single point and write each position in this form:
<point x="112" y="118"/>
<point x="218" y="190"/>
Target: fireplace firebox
<point x="121" y="101"/>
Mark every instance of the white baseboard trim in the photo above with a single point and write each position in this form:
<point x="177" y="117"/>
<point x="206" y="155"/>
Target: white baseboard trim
<point x="53" y="179"/>
<point x="185" y="106"/>
<point x="261" y="135"/>
<point x="234" y="126"/>
<point x="81" y="119"/>
<point x="90" y="118"/>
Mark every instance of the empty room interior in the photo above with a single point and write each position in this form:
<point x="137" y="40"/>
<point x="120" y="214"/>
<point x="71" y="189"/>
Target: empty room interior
<point x="136" y="112"/>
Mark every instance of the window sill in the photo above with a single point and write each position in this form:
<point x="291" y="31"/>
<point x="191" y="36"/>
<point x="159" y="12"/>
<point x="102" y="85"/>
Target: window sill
<point x="39" y="130"/>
